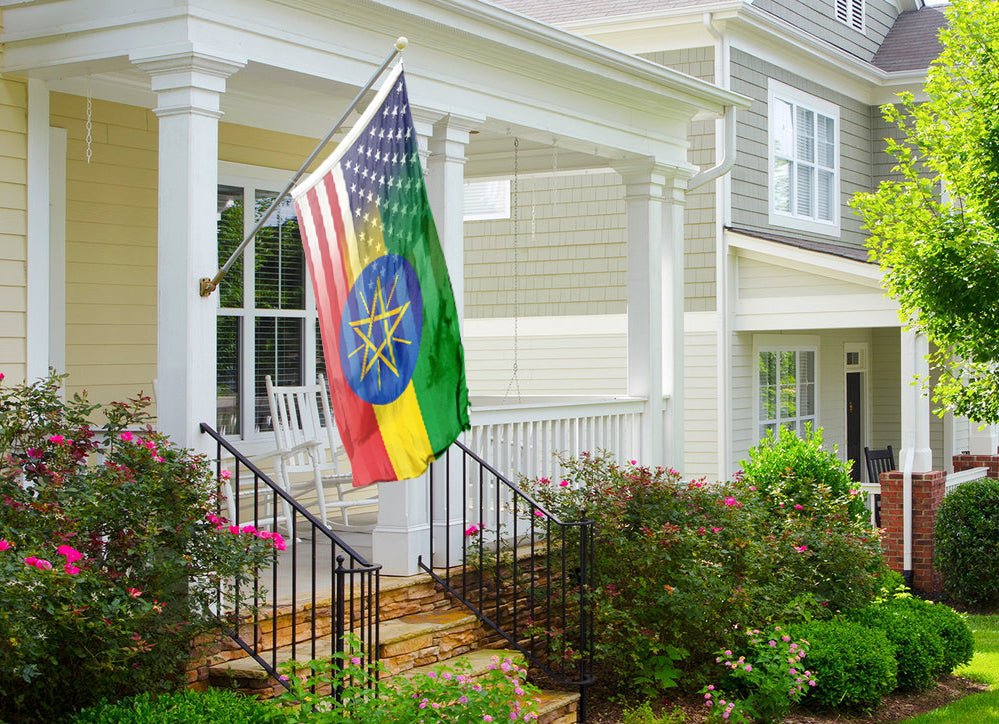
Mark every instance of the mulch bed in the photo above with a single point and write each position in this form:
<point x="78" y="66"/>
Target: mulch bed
<point x="895" y="707"/>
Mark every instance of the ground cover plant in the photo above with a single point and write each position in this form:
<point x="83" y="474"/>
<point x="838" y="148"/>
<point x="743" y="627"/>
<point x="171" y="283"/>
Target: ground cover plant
<point x="111" y="552"/>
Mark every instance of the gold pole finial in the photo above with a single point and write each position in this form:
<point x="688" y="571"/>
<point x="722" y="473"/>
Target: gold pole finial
<point x="401" y="42"/>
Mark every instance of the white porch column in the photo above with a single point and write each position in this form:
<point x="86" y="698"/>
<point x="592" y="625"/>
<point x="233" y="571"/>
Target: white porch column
<point x="982" y="440"/>
<point x="655" y="195"/>
<point x="188" y="86"/>
<point x="915" y="454"/>
<point x="446" y="188"/>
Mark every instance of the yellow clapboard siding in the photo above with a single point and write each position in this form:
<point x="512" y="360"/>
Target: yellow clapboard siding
<point x="128" y="376"/>
<point x="14" y="118"/>
<point x="111" y="294"/>
<point x="14" y="170"/>
<point x="109" y="314"/>
<point x="112" y="274"/>
<point x="13" y="196"/>
<point x="13" y="246"/>
<point x="125" y="137"/>
<point x="13" y="144"/>
<point x="237" y="136"/>
<point x="99" y="172"/>
<point x="127" y="255"/>
<point x="112" y="354"/>
<point x="12" y="273"/>
<point x="119" y="114"/>
<point x="12" y="299"/>
<point x="120" y="213"/>
<point x="11" y="350"/>
<point x="76" y="153"/>
<point x="130" y="329"/>
<point x="13" y="93"/>
<point x="97" y="192"/>
<point x="92" y="232"/>
<point x="13" y="324"/>
<point x="14" y="221"/>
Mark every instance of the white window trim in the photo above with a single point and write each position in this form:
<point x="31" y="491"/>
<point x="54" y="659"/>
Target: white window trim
<point x="865" y="398"/>
<point x="776" y="89"/>
<point x="784" y="343"/>
<point x="502" y="211"/>
<point x="260" y="178"/>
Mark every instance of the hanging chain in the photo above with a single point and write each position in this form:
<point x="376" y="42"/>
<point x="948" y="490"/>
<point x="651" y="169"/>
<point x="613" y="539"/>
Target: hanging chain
<point x="90" y="123"/>
<point x="514" y="380"/>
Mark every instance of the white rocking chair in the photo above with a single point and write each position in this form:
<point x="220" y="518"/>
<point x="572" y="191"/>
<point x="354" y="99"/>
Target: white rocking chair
<point x="308" y="445"/>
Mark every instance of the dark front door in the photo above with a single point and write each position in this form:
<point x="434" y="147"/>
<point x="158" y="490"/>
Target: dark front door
<point x="853" y="432"/>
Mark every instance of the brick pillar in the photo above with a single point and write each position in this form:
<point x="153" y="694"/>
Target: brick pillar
<point x="966" y="462"/>
<point x="927" y="493"/>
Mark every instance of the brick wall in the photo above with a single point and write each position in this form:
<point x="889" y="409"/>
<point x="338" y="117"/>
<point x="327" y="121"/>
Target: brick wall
<point x="966" y="462"/>
<point x="927" y="493"/>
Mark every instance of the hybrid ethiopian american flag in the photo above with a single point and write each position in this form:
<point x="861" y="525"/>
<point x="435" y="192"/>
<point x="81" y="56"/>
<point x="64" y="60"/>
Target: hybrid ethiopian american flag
<point x="386" y="310"/>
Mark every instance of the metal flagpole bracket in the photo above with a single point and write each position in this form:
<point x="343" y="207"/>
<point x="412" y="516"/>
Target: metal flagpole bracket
<point x="208" y="285"/>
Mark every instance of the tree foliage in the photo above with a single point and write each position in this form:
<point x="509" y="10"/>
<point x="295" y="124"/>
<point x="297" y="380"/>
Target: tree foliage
<point x="935" y="227"/>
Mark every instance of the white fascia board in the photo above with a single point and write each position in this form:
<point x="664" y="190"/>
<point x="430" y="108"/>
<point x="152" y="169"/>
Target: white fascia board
<point x="826" y="319"/>
<point x="805" y="260"/>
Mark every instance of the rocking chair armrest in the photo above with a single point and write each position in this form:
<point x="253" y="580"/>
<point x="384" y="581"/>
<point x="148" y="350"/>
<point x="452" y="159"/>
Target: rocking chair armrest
<point x="307" y="446"/>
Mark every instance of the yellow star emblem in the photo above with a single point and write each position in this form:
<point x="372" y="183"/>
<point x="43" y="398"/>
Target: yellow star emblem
<point x="383" y="318"/>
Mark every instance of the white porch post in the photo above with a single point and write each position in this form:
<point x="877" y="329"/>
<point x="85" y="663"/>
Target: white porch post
<point x="654" y="195"/>
<point x="982" y="440"/>
<point x="916" y="455"/>
<point x="38" y="354"/>
<point x="188" y="86"/>
<point x="447" y="199"/>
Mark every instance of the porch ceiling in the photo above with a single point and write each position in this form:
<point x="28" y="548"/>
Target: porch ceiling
<point x="304" y="60"/>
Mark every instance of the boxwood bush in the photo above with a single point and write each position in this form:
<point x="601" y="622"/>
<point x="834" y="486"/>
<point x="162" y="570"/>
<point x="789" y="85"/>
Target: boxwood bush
<point x="953" y="630"/>
<point x="967" y="543"/>
<point x="214" y="706"/>
<point x="854" y="665"/>
<point x="919" y="647"/>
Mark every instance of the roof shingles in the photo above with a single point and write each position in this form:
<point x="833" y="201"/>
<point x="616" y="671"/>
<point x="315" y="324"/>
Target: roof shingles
<point x="912" y="42"/>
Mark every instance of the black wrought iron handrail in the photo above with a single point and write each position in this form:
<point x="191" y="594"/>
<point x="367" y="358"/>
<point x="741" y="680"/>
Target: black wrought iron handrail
<point x="352" y="605"/>
<point x="522" y="571"/>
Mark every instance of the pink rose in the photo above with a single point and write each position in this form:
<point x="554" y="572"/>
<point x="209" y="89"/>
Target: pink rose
<point x="56" y="439"/>
<point x="563" y="484"/>
<point x="472" y="529"/>
<point x="133" y="592"/>
<point x="71" y="554"/>
<point x="4" y="545"/>
<point x="126" y="436"/>
<point x="71" y="569"/>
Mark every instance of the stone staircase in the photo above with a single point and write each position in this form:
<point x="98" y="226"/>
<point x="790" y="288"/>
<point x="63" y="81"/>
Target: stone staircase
<point x="421" y="628"/>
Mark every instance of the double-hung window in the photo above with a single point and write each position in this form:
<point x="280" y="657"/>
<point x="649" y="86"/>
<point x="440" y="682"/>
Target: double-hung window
<point x="786" y="389"/>
<point x="266" y="318"/>
<point x="804" y="161"/>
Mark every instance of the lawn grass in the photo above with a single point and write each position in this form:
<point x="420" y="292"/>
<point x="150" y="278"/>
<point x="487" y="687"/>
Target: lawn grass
<point x="984" y="667"/>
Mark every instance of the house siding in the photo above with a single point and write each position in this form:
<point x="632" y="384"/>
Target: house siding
<point x="111" y="229"/>
<point x="886" y="388"/>
<point x="700" y="212"/>
<point x="570" y="243"/>
<point x="750" y="189"/>
<point x="552" y="364"/>
<point x="759" y="280"/>
<point x="14" y="223"/>
<point x="700" y="418"/>
<point x="883" y="163"/>
<point x="819" y="19"/>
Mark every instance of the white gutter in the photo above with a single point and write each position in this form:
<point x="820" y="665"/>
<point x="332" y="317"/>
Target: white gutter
<point x="728" y="159"/>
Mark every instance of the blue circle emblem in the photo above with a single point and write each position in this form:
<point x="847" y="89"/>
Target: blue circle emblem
<point x="380" y="329"/>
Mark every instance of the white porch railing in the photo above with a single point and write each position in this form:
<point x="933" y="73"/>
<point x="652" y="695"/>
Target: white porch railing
<point x="956" y="479"/>
<point x="522" y="439"/>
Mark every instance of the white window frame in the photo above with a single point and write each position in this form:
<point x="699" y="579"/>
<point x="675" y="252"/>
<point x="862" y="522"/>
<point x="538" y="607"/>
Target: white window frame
<point x="852" y="13"/>
<point x="783" y="343"/>
<point x="500" y="210"/>
<point x="252" y="179"/>
<point x="791" y="219"/>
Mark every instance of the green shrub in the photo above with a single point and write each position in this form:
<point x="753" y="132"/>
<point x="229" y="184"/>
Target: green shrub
<point x="680" y="565"/>
<point x="953" y="630"/>
<point x="789" y="470"/>
<point x="854" y="665"/>
<point x="214" y="706"/>
<point x="967" y="543"/>
<point x="919" y="648"/>
<point x="109" y="556"/>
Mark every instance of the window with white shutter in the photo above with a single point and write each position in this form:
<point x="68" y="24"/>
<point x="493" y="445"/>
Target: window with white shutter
<point x="804" y="161"/>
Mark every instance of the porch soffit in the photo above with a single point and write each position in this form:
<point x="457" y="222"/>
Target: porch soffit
<point x="304" y="58"/>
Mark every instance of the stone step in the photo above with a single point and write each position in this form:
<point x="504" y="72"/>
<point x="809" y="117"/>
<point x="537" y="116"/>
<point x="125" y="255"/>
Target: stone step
<point x="404" y="643"/>
<point x="480" y="661"/>
<point x="558" y="707"/>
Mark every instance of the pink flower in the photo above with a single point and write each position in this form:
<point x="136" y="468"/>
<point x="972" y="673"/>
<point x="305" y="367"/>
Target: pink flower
<point x="486" y="717"/>
<point x="801" y="549"/>
<point x="56" y="439"/>
<point x="749" y="667"/>
<point x="71" y="569"/>
<point x="265" y="534"/>
<point x="563" y="483"/>
<point x="4" y="545"/>
<point x="34" y="452"/>
<point x="126" y="436"/>
<point x="133" y="592"/>
<point x="30" y="560"/>
<point x="234" y="529"/>
<point x="2" y="375"/>
<point x="632" y="462"/>
<point x="41" y="564"/>
<point x="730" y="501"/>
<point x="70" y="553"/>
<point x="248" y="529"/>
<point x="472" y="529"/>
<point x="752" y="488"/>
<point x="278" y="541"/>
<point x="355" y="660"/>
<point x="715" y="529"/>
<point x="225" y="474"/>
<point x="799" y="506"/>
<point x="157" y="458"/>
<point x="539" y="513"/>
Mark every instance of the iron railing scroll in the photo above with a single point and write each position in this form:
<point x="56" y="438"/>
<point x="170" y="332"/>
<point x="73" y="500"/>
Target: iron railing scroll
<point x="314" y="592"/>
<point x="520" y="569"/>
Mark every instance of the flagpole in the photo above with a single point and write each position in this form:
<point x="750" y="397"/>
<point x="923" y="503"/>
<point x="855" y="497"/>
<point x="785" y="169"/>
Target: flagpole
<point x="206" y="285"/>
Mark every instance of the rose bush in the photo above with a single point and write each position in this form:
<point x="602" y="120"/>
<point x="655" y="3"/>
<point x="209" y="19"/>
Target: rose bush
<point x="112" y="553"/>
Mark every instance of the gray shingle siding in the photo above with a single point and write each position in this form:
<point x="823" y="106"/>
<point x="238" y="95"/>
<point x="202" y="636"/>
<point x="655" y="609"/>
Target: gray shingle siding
<point x="818" y="18"/>
<point x="700" y="211"/>
<point x="750" y="188"/>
